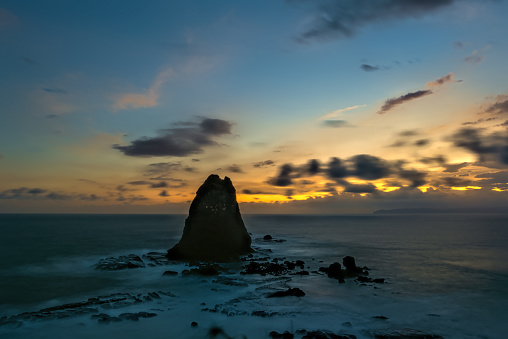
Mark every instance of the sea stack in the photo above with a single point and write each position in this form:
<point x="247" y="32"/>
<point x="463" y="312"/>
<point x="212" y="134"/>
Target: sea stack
<point x="214" y="229"/>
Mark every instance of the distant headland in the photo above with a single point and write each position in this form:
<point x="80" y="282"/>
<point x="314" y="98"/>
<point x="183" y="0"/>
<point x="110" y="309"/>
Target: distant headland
<point x="439" y="210"/>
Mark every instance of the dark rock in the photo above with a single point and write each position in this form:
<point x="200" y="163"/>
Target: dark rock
<point x="265" y="268"/>
<point x="322" y="334"/>
<point x="214" y="229"/>
<point x="104" y="318"/>
<point x="267" y="237"/>
<point x="380" y="317"/>
<point x="351" y="269"/>
<point x="119" y="263"/>
<point x="194" y="324"/>
<point x="293" y="292"/>
<point x="301" y="273"/>
<point x="136" y="316"/>
<point x="285" y="335"/>
<point x="168" y="273"/>
<point x="346" y="324"/>
<point x="402" y="333"/>
<point x="379" y="281"/>
<point x="207" y="270"/>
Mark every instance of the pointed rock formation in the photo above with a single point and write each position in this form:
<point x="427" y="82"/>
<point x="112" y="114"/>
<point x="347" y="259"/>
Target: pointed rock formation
<point x="214" y="229"/>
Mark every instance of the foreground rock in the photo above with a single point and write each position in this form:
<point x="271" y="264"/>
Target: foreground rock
<point x="120" y="263"/>
<point x="90" y="306"/>
<point x="402" y="333"/>
<point x="214" y="229"/>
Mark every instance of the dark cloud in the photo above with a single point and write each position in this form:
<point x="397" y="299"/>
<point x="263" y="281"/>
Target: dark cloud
<point x="264" y="163"/>
<point x="369" y="68"/>
<point x="252" y="192"/>
<point x="289" y="193"/>
<point x="369" y="167"/>
<point x="139" y="182"/>
<point x="499" y="107"/>
<point x="493" y="147"/>
<point x="500" y="178"/>
<point x="88" y="197"/>
<point x="336" y="123"/>
<point x="343" y="19"/>
<point x="360" y="188"/>
<point x="195" y="160"/>
<point x="189" y="139"/>
<point x="454" y="182"/>
<point x="441" y="81"/>
<point x="234" y="168"/>
<point x="421" y="142"/>
<point x="417" y="178"/>
<point x="337" y="169"/>
<point x="313" y="167"/>
<point x="284" y="177"/>
<point x="438" y="159"/>
<point x="391" y="103"/>
<point x="55" y="90"/>
<point x="58" y="196"/>
<point x="162" y="169"/>
<point x="36" y="191"/>
<point x="453" y="168"/>
<point x="409" y="133"/>
<point x="398" y="143"/>
<point x="164" y="193"/>
<point x="501" y="125"/>
<point x="159" y="184"/>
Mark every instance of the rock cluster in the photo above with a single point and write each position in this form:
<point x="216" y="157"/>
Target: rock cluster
<point x="214" y="229"/>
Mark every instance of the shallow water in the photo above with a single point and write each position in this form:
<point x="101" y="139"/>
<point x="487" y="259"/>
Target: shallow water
<point x="445" y="274"/>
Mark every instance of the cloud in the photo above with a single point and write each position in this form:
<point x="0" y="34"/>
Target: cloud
<point x="343" y="19"/>
<point x="36" y="191"/>
<point x="361" y="166"/>
<point x="360" y="188"/>
<point x="178" y="142"/>
<point x="500" y="107"/>
<point x="458" y="45"/>
<point x="422" y="142"/>
<point x="453" y="168"/>
<point x="338" y="113"/>
<point x="159" y="184"/>
<point x="494" y="178"/>
<point x="493" y="147"/>
<point x="391" y="103"/>
<point x="264" y="163"/>
<point x="139" y="182"/>
<point x="454" y="182"/>
<point x="438" y="159"/>
<point x="234" y="168"/>
<point x="55" y="90"/>
<point x="417" y="178"/>
<point x="474" y="58"/>
<point x="336" y="169"/>
<point x="336" y="123"/>
<point x="369" y="68"/>
<point x="284" y="177"/>
<point x="441" y="81"/>
<point x="164" y="193"/>
<point x="147" y="99"/>
<point x="369" y="167"/>
<point x="313" y="167"/>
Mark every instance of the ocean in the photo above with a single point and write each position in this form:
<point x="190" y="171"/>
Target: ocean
<point x="445" y="274"/>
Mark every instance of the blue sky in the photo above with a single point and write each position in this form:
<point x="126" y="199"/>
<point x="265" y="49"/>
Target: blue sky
<point x="96" y="95"/>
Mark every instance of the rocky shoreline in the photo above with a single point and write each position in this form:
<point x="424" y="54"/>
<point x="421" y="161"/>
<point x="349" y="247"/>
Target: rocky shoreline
<point x="267" y="277"/>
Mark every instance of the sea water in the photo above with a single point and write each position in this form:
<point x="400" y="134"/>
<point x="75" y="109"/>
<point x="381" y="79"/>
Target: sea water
<point x="445" y="274"/>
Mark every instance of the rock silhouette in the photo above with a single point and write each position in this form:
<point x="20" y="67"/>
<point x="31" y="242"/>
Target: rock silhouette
<point x="214" y="229"/>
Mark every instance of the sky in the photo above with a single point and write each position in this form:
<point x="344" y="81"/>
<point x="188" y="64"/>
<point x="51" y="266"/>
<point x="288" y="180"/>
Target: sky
<point x="309" y="106"/>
